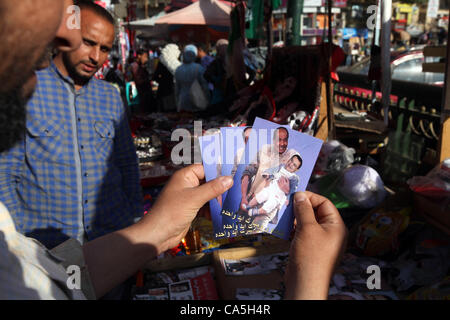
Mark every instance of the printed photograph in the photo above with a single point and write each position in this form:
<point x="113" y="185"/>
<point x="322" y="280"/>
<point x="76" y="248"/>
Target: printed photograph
<point x="181" y="291"/>
<point x="234" y="140"/>
<point x="256" y="265"/>
<point x="221" y="155"/>
<point x="210" y="146"/>
<point x="258" y="294"/>
<point x="243" y="266"/>
<point x="278" y="162"/>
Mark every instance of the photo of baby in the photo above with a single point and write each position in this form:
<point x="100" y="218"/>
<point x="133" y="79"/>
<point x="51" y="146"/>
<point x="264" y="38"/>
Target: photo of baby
<point x="265" y="204"/>
<point x="277" y="162"/>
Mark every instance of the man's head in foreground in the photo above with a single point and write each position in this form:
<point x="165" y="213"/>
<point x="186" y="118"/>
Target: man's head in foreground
<point x="27" y="29"/>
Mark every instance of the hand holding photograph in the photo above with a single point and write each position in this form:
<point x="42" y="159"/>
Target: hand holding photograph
<point x="277" y="162"/>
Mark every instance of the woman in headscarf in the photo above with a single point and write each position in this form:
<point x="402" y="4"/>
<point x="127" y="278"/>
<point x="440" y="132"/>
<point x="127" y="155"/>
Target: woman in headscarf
<point x="164" y="75"/>
<point x="217" y="73"/>
<point x="185" y="76"/>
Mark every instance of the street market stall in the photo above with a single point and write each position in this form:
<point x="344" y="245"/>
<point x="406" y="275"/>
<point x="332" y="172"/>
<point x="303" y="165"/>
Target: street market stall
<point x="404" y="230"/>
<point x="204" y="20"/>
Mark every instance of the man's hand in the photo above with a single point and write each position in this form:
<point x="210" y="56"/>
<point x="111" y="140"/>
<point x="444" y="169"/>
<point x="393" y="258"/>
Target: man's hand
<point x="283" y="183"/>
<point x="116" y="256"/>
<point x="219" y="200"/>
<point x="179" y="202"/>
<point x="319" y="241"/>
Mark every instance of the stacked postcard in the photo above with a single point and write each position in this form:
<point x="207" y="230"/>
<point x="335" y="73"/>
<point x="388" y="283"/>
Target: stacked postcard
<point x="269" y="164"/>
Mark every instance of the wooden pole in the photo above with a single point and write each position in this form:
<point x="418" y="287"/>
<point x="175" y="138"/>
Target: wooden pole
<point x="444" y="144"/>
<point x="322" y="128"/>
<point x="146" y="8"/>
<point x="386" y="13"/>
<point x="329" y="92"/>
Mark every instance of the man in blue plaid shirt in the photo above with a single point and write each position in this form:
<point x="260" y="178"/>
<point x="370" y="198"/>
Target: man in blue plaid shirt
<point x="30" y="271"/>
<point x="75" y="175"/>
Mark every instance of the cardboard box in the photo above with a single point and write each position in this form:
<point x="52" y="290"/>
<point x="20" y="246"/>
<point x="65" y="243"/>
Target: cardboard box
<point x="227" y="285"/>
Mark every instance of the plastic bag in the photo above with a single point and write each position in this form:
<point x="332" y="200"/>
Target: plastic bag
<point x="363" y="186"/>
<point x="334" y="157"/>
<point x="358" y="186"/>
<point x="436" y="184"/>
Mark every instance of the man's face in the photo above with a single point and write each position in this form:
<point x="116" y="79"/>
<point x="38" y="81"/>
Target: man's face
<point x="27" y="27"/>
<point x="281" y="141"/>
<point x="97" y="41"/>
<point x="142" y="58"/>
<point x="293" y="164"/>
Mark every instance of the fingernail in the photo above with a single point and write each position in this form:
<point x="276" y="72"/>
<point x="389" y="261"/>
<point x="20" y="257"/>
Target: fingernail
<point x="299" y="197"/>
<point x="227" y="181"/>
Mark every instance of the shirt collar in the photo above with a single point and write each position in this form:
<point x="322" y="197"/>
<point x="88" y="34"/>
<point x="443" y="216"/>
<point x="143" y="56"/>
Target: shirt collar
<point x="67" y="79"/>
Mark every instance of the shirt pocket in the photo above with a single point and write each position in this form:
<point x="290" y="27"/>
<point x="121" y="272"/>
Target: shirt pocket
<point x="44" y="140"/>
<point x="105" y="133"/>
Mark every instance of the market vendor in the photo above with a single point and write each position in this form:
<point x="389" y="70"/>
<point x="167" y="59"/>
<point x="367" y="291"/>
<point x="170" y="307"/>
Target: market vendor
<point x="30" y="271"/>
<point x="75" y="175"/>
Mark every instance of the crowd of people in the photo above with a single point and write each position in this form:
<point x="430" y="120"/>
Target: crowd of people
<point x="69" y="181"/>
<point x="164" y="76"/>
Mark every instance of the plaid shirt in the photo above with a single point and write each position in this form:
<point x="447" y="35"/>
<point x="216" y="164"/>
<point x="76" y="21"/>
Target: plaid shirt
<point x="75" y="174"/>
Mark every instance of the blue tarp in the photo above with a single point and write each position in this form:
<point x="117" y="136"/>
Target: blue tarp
<point x="348" y="33"/>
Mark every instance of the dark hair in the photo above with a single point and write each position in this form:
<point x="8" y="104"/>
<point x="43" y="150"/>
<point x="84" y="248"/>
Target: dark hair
<point x="279" y="128"/>
<point x="99" y="10"/>
<point x="141" y="51"/>
<point x="243" y="132"/>
<point x="201" y="46"/>
<point x="299" y="159"/>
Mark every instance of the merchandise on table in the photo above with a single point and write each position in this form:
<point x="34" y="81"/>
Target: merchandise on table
<point x="334" y="157"/>
<point x="378" y="233"/>
<point x="438" y="291"/>
<point x="185" y="284"/>
<point x="148" y="147"/>
<point x="350" y="281"/>
<point x="432" y="195"/>
<point x="424" y="263"/>
<point x="258" y="294"/>
<point x="256" y="265"/>
<point x="357" y="186"/>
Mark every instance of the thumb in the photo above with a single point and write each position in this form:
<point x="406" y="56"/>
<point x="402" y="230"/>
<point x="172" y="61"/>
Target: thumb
<point x="210" y="190"/>
<point x="303" y="210"/>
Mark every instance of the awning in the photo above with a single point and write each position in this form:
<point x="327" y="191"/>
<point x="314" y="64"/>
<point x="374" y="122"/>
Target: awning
<point x="144" y="24"/>
<point x="203" y="12"/>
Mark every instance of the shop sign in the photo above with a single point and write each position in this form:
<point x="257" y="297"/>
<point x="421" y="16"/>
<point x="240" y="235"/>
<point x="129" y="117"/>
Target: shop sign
<point x="433" y="8"/>
<point x="312" y="3"/>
